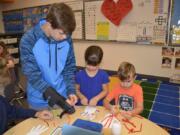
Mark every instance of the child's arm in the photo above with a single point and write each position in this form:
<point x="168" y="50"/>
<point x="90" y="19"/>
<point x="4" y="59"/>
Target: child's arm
<point x="102" y="94"/>
<point x="108" y="99"/>
<point x="106" y="104"/>
<point x="84" y="100"/>
<point x="134" y="112"/>
<point x="139" y="108"/>
<point x="112" y="108"/>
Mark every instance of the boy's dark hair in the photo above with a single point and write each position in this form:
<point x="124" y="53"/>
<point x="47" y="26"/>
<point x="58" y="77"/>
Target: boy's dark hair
<point x="61" y="16"/>
<point x="93" y="55"/>
<point x="125" y="71"/>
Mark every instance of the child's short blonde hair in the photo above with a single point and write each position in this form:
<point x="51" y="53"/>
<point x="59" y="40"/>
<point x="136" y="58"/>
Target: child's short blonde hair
<point x="126" y="70"/>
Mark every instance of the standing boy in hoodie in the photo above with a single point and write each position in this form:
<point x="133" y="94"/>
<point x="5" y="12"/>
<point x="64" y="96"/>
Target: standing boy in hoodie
<point x="47" y="57"/>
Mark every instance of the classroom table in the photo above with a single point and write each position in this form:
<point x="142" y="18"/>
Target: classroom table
<point x="140" y="123"/>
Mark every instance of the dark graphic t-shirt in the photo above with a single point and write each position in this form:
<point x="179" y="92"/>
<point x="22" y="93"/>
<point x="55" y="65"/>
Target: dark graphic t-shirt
<point x="126" y="102"/>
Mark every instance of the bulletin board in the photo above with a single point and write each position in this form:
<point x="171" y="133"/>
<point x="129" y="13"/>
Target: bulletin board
<point x="22" y="20"/>
<point x="145" y="23"/>
<point x="175" y="23"/>
<point x="13" y="21"/>
<point x="31" y="16"/>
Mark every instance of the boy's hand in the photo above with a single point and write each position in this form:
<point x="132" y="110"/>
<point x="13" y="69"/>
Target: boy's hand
<point x="93" y="102"/>
<point x="114" y="110"/>
<point x="45" y="114"/>
<point x="72" y="99"/>
<point x="84" y="101"/>
<point x="10" y="64"/>
<point x="126" y="114"/>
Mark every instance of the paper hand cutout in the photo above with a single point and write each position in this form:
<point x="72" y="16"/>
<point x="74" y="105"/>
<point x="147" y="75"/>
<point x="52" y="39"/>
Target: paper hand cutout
<point x="37" y="130"/>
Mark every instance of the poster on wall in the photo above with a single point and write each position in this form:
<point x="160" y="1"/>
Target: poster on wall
<point x="44" y="11"/>
<point x="166" y="62"/>
<point x="175" y="23"/>
<point x="177" y="52"/>
<point x="167" y="51"/>
<point x="24" y="19"/>
<point x="31" y="16"/>
<point x="177" y="63"/>
<point x="146" y="23"/>
<point x="170" y="55"/>
<point x="13" y="21"/>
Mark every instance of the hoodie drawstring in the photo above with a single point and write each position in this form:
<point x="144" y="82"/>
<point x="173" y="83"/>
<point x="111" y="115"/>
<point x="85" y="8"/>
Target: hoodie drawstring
<point x="56" y="57"/>
<point x="49" y="56"/>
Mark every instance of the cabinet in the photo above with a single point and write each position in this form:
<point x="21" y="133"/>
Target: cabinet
<point x="12" y="42"/>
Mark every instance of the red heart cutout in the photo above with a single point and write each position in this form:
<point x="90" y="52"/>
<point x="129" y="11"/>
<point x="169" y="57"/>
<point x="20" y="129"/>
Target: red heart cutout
<point x="115" y="12"/>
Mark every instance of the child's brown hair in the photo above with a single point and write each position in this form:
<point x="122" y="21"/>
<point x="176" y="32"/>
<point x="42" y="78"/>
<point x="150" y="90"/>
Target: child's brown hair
<point x="125" y="71"/>
<point x="93" y="55"/>
<point x="61" y="16"/>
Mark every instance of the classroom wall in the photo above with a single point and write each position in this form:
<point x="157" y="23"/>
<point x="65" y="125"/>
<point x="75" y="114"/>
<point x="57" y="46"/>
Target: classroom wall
<point x="1" y="25"/>
<point x="146" y="58"/>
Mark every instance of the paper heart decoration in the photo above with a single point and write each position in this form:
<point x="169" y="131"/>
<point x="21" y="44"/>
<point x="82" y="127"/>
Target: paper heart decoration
<point x="116" y="11"/>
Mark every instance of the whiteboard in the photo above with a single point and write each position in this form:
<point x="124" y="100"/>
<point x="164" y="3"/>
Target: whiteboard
<point x="146" y="22"/>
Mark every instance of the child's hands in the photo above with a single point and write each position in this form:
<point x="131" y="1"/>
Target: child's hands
<point x="126" y="114"/>
<point x="45" y="114"/>
<point x="84" y="101"/>
<point x="72" y="100"/>
<point x="114" y="110"/>
<point x="10" y="64"/>
<point x="93" y="101"/>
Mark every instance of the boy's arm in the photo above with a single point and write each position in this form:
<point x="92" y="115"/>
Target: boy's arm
<point x="106" y="104"/>
<point x="28" y="62"/>
<point x="139" y="108"/>
<point x="107" y="100"/>
<point x="69" y="71"/>
<point x="134" y="112"/>
<point x="14" y="112"/>
<point x="139" y="102"/>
